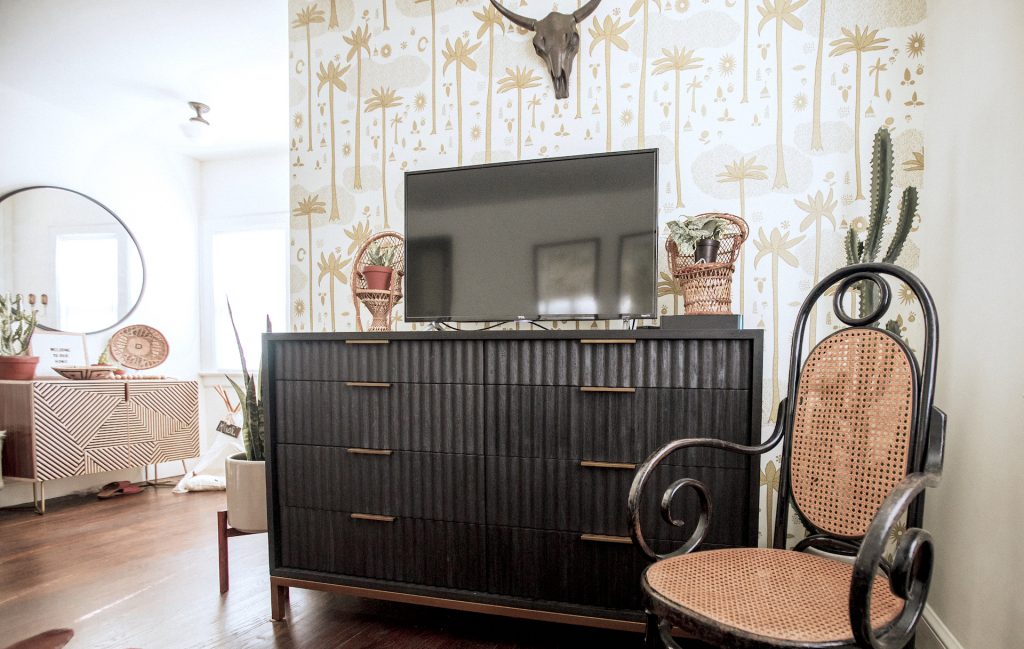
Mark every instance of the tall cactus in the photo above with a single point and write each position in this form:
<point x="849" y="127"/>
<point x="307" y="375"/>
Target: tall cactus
<point x="16" y="326"/>
<point x="860" y="250"/>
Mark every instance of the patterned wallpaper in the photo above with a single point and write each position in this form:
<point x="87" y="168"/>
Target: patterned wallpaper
<point x="763" y="108"/>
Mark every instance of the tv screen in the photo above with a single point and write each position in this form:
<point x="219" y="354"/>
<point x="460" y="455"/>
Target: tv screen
<point x="552" y="239"/>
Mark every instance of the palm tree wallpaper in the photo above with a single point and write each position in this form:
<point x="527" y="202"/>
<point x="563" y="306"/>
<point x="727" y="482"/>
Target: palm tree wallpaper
<point x="780" y="100"/>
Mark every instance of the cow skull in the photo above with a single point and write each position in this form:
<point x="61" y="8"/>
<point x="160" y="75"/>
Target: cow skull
<point x="555" y="39"/>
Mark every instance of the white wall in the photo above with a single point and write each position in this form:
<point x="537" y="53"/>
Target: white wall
<point x="235" y="188"/>
<point x="973" y="238"/>
<point x="155" y="192"/>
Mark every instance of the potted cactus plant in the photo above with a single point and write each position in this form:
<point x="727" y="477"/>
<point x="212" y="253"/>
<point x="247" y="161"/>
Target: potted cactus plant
<point x="246" y="473"/>
<point x="378" y="265"/>
<point x="16" y="328"/>
<point x="700" y="236"/>
<point x="868" y="248"/>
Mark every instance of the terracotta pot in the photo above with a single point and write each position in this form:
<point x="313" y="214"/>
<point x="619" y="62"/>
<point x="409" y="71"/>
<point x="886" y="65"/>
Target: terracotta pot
<point x="18" y="368"/>
<point x="378" y="278"/>
<point x="247" y="493"/>
<point x="707" y="251"/>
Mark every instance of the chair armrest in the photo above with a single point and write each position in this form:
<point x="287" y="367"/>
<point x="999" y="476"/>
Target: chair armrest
<point x="909" y="575"/>
<point x="645" y="470"/>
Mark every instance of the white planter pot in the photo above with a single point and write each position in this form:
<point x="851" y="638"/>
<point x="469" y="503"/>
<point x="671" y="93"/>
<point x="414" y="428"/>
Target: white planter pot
<point x="247" y="493"/>
<point x="3" y="434"/>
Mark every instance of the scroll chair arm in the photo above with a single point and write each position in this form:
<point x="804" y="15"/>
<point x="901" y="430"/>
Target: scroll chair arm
<point x="909" y="576"/>
<point x="644" y="472"/>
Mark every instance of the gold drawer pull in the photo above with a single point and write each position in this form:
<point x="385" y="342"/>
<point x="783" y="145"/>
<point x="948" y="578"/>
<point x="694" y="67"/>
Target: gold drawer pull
<point x="605" y="538"/>
<point x="594" y="464"/>
<point x="608" y="341"/>
<point x="369" y="451"/>
<point x="598" y="388"/>
<point x="373" y="517"/>
<point x="367" y="341"/>
<point x="366" y="384"/>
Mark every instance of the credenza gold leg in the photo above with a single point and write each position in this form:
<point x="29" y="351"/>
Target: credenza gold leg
<point x="278" y="599"/>
<point x="39" y="497"/>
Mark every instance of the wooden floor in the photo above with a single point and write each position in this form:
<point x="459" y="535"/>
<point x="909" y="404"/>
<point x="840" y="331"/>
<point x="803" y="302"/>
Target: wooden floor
<point x="141" y="571"/>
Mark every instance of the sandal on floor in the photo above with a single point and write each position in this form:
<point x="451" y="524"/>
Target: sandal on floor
<point x="123" y="488"/>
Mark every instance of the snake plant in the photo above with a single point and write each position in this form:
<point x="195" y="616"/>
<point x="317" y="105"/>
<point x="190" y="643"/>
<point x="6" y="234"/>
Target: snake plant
<point x="867" y="248"/>
<point x="254" y="429"/>
<point x="16" y="326"/>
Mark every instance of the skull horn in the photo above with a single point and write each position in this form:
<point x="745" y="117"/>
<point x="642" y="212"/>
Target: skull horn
<point x="523" y="21"/>
<point x="581" y="14"/>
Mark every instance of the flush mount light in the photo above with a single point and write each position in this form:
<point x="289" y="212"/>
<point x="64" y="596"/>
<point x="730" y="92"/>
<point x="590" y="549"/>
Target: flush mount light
<point x="201" y="109"/>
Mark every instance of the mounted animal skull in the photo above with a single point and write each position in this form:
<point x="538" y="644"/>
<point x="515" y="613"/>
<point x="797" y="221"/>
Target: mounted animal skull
<point x="556" y="40"/>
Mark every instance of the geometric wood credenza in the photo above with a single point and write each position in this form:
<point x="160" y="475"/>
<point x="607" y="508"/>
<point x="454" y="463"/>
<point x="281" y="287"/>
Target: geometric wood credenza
<point x="488" y="471"/>
<point x="60" y="428"/>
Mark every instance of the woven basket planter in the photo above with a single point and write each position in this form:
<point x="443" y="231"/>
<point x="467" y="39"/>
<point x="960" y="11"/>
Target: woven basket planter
<point x="707" y="288"/>
<point x="379" y="302"/>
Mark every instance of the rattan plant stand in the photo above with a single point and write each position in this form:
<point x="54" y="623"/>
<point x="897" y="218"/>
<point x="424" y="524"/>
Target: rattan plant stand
<point x="379" y="302"/>
<point x="707" y="287"/>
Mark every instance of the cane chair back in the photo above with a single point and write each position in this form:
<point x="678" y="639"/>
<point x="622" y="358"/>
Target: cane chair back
<point x="852" y="423"/>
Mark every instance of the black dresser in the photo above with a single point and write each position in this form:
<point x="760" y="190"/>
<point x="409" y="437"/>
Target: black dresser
<point x="488" y="471"/>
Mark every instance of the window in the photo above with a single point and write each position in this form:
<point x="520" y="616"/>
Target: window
<point x="87" y="298"/>
<point x="244" y="261"/>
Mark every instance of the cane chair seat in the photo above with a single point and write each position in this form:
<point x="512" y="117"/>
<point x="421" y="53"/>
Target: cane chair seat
<point x="771" y="595"/>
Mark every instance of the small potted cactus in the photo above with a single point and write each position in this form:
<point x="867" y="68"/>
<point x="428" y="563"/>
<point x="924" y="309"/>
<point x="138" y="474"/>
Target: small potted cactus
<point x="378" y="266"/>
<point x="16" y="328"/>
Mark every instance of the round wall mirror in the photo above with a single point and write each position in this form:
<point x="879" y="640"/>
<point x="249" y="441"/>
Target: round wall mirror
<point x="70" y="257"/>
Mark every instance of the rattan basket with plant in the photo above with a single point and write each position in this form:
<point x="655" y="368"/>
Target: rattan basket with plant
<point x="702" y="254"/>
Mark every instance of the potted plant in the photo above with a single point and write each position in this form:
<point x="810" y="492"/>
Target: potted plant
<point x="246" y="473"/>
<point x="377" y="265"/>
<point x="16" y="328"/>
<point x="699" y="236"/>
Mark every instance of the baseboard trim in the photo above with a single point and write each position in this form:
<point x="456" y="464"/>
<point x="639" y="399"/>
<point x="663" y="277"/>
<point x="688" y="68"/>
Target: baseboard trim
<point x="938" y="631"/>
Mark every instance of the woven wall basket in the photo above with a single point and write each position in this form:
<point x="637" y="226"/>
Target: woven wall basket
<point x="707" y="288"/>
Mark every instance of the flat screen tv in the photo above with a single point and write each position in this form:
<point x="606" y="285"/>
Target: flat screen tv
<point x="551" y="239"/>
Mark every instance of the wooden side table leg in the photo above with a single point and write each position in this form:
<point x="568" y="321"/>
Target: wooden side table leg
<point x="39" y="497"/>
<point x="222" y="549"/>
<point x="278" y="599"/>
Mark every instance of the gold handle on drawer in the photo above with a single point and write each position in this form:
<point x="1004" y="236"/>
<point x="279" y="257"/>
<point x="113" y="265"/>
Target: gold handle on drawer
<point x="372" y="517"/>
<point x="367" y="341"/>
<point x="608" y="341"/>
<point x="606" y="538"/>
<point x="594" y="464"/>
<point x="369" y="451"/>
<point x="366" y="384"/>
<point x="599" y="388"/>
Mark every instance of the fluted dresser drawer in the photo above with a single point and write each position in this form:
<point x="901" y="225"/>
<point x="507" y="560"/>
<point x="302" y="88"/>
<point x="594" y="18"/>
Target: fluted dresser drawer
<point x="435" y="486"/>
<point x="617" y="361"/>
<point x="376" y="359"/>
<point x="588" y="569"/>
<point x="590" y="496"/>
<point x="438" y="417"/>
<point x="628" y="424"/>
<point x="382" y="546"/>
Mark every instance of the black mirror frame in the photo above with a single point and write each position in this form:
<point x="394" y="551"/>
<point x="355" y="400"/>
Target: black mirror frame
<point x="131" y="235"/>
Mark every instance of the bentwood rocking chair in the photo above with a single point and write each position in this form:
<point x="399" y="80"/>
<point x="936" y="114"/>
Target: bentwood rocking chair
<point x="860" y="442"/>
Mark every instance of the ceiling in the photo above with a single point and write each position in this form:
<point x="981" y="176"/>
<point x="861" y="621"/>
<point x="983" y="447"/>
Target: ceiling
<point x="132" y="65"/>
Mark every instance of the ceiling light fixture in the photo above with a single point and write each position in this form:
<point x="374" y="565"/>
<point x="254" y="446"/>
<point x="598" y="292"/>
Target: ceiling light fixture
<point x="201" y="109"/>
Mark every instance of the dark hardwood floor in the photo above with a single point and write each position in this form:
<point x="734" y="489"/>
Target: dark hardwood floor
<point x="141" y="571"/>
